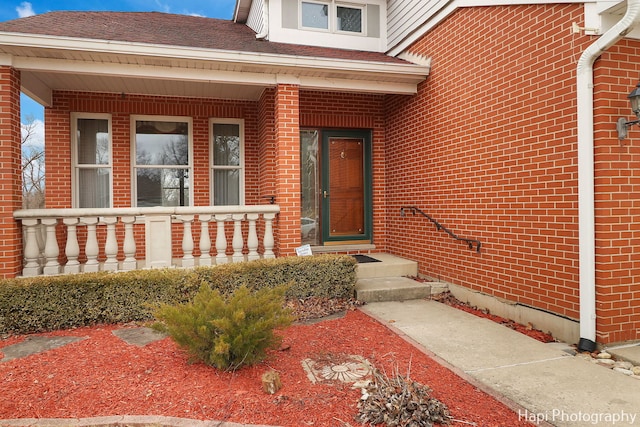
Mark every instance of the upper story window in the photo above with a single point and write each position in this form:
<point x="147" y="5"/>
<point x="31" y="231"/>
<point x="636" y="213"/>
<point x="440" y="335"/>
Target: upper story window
<point x="227" y="162"/>
<point x="91" y="154"/>
<point x="162" y="164"/>
<point x="332" y="16"/>
<point x="349" y="19"/>
<point x="315" y="15"/>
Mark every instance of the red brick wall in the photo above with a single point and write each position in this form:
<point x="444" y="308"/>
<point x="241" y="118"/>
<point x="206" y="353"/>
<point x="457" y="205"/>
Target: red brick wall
<point x="10" y="172"/>
<point x="617" y="196"/>
<point x="287" y="167"/>
<point x="58" y="149"/>
<point x="354" y="111"/>
<point x="488" y="148"/>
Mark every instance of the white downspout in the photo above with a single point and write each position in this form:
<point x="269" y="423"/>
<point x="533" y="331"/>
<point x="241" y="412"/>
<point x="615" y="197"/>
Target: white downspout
<point x="586" y="205"/>
<point x="265" y="22"/>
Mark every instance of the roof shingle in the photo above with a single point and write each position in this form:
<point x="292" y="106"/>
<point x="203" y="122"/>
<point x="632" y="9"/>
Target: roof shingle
<point x="172" y="30"/>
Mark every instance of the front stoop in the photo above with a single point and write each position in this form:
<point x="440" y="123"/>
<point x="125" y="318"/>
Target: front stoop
<point x="381" y="289"/>
<point x="389" y="266"/>
<point x="390" y="279"/>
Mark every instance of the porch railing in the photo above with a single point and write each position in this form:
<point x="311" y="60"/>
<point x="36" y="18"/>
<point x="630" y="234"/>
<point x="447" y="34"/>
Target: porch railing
<point x="66" y="241"/>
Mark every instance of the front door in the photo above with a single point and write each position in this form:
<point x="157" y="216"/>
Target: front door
<point x="345" y="186"/>
<point x="336" y="172"/>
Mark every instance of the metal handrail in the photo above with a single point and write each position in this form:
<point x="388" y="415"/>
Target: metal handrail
<point x="415" y="209"/>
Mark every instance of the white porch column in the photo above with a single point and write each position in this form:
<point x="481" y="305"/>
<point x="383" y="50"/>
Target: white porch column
<point x="129" y="245"/>
<point x="51" y="250"/>
<point x="205" y="240"/>
<point x="31" y="248"/>
<point x="72" y="249"/>
<point x="91" y="249"/>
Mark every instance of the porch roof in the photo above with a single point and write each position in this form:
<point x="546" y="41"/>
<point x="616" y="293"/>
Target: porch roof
<point x="168" y="54"/>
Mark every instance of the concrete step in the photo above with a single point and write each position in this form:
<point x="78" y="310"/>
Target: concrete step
<point x="379" y="289"/>
<point x="389" y="266"/>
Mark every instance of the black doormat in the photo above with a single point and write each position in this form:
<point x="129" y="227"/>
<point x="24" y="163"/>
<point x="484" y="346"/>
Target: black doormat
<point x="365" y="258"/>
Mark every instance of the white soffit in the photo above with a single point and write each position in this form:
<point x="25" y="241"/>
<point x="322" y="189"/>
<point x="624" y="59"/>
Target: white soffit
<point x="63" y="63"/>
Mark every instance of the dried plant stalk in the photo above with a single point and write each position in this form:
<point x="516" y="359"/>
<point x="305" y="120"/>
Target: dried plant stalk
<point x="400" y="402"/>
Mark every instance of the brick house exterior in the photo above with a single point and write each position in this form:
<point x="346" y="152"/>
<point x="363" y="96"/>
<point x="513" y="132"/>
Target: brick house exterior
<point x="480" y="131"/>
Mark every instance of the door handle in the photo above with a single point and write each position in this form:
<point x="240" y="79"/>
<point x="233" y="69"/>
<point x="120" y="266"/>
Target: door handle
<point x="325" y="194"/>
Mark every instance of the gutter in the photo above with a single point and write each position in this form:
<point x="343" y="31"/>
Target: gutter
<point x="586" y="193"/>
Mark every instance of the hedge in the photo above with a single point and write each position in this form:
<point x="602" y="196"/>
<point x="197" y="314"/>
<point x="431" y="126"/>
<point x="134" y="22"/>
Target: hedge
<point x="48" y="303"/>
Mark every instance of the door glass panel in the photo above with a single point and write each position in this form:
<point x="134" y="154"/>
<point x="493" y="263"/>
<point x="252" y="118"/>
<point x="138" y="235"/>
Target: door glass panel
<point x="310" y="214"/>
<point x="346" y="187"/>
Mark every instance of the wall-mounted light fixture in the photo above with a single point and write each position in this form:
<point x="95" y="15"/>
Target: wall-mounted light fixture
<point x="623" y="125"/>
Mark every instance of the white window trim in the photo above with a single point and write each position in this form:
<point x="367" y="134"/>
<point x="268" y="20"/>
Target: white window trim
<point x="330" y="15"/>
<point x="134" y="175"/>
<point x="363" y="17"/>
<point x="333" y="17"/>
<point x="75" y="179"/>
<point x="212" y="167"/>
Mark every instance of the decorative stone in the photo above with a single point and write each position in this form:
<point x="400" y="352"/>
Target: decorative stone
<point x="624" y="365"/>
<point x="271" y="382"/>
<point x="345" y="368"/>
<point x="623" y="371"/>
<point x="603" y="355"/>
<point x="636" y="370"/>
<point x="606" y="362"/>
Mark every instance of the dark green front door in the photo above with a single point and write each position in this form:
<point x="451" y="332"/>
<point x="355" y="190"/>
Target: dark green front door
<point x="346" y="186"/>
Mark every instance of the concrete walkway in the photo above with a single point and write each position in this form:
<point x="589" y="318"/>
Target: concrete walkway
<point x="547" y="385"/>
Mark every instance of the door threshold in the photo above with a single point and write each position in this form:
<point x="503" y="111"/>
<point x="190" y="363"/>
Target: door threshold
<point x="351" y="247"/>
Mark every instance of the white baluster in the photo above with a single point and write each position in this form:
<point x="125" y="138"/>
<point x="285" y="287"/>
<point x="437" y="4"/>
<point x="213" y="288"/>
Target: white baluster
<point x="221" y="239"/>
<point x="111" y="244"/>
<point x="31" y="248"/>
<point x="268" y="240"/>
<point x="205" y="240"/>
<point x="51" y="249"/>
<point x="187" y="241"/>
<point x="72" y="249"/>
<point x="129" y="245"/>
<point x="91" y="249"/>
<point x="40" y="238"/>
<point x="238" y="241"/>
<point x="252" y="238"/>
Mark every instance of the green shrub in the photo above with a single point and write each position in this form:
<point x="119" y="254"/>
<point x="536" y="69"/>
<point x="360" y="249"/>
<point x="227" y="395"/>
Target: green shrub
<point x="48" y="303"/>
<point x="227" y="333"/>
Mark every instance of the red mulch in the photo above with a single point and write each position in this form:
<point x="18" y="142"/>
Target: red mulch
<point x="104" y="376"/>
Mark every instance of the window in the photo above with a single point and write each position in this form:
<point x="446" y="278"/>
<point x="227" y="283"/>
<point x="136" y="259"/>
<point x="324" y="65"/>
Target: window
<point x="315" y="15"/>
<point x="349" y="19"/>
<point x="91" y="154"/>
<point x="162" y="164"/>
<point x="332" y="16"/>
<point x="227" y="162"/>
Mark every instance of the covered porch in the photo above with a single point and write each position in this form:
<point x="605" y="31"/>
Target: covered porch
<point x="98" y="213"/>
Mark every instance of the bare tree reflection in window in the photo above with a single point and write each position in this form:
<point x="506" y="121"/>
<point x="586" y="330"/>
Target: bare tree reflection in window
<point x="162" y="157"/>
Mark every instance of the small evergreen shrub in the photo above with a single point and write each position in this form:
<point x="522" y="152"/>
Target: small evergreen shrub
<point x="227" y="333"/>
